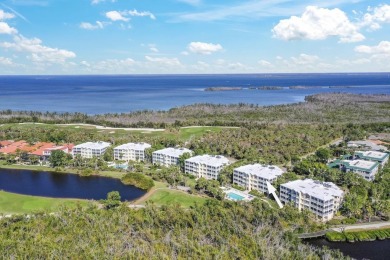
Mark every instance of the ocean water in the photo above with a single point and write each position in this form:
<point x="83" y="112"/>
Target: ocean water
<point x="125" y="93"/>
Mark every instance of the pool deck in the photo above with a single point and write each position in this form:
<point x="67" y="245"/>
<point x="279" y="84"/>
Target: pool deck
<point x="243" y="194"/>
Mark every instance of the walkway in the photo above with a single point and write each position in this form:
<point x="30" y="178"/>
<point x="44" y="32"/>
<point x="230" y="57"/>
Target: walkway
<point x="341" y="228"/>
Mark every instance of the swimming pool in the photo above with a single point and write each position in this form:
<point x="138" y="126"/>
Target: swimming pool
<point x="235" y="196"/>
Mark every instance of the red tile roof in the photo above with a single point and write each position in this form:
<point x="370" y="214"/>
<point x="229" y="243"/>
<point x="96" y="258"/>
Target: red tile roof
<point x="38" y="148"/>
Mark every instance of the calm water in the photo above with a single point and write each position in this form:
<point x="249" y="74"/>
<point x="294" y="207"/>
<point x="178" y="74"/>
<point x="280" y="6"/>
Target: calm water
<point x="61" y="185"/>
<point x="375" y="250"/>
<point x="103" y="94"/>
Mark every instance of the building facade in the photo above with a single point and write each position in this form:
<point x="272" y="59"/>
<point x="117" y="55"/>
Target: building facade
<point x="90" y="149"/>
<point x="255" y="176"/>
<point x="206" y="166"/>
<point x="321" y="198"/>
<point x="131" y="151"/>
<point x="169" y="156"/>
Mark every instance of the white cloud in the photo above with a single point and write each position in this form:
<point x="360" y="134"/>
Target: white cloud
<point x="124" y="15"/>
<point x="144" y="13"/>
<point x="376" y="16"/>
<point x="116" y="16"/>
<point x="164" y="61"/>
<point x="265" y="63"/>
<point x="113" y="65"/>
<point x="318" y="24"/>
<point x="6" y="29"/>
<point x="89" y="26"/>
<point x="37" y="51"/>
<point x="382" y="48"/>
<point x="153" y="48"/>
<point x="204" y="48"/>
<point x="5" y="16"/>
<point x="6" y="61"/>
<point x="305" y="59"/>
<point x="95" y="2"/>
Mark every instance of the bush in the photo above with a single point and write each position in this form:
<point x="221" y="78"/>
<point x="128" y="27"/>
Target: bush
<point x="139" y="180"/>
<point x="335" y="236"/>
<point x="86" y="172"/>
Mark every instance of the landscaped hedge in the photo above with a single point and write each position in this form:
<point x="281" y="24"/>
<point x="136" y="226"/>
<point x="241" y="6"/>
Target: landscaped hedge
<point x="353" y="236"/>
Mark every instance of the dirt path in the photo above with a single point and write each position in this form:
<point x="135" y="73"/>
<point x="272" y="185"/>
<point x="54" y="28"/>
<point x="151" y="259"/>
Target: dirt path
<point x="373" y="225"/>
<point x="147" y="196"/>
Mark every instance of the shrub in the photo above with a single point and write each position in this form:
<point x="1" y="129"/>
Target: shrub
<point x="139" y="180"/>
<point x="335" y="236"/>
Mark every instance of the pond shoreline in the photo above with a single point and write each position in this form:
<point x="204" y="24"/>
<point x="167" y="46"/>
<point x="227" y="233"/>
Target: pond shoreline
<point x="61" y="185"/>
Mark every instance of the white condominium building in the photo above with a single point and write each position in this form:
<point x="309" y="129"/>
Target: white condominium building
<point x="321" y="198"/>
<point x="366" y="169"/>
<point x="206" y="166"/>
<point x="255" y="176"/>
<point x="90" y="149"/>
<point x="131" y="151"/>
<point x="169" y="156"/>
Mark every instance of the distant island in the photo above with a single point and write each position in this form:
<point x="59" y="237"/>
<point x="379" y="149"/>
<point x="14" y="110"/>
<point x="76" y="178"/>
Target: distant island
<point x="223" y="88"/>
<point x="267" y="88"/>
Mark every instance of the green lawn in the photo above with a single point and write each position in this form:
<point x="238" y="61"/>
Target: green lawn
<point x="169" y="197"/>
<point x="11" y="203"/>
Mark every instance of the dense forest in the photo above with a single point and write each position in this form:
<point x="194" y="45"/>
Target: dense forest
<point x="216" y="230"/>
<point x="320" y="108"/>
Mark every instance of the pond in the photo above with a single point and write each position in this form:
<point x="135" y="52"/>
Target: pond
<point x="374" y="250"/>
<point x="63" y="185"/>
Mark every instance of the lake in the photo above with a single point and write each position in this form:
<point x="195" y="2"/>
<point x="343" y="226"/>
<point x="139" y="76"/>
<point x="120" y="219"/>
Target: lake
<point x="374" y="250"/>
<point x="62" y="185"/>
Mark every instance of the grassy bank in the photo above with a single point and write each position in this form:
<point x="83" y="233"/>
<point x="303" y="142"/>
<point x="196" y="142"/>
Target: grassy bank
<point x="170" y="197"/>
<point x="354" y="236"/>
<point x="11" y="203"/>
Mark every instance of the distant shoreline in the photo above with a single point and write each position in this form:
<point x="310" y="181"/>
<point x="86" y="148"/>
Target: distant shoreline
<point x="273" y="88"/>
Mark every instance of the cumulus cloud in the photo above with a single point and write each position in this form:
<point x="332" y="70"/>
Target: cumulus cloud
<point x="376" y="16"/>
<point x="5" y="16"/>
<point x="4" y="27"/>
<point x="318" y="24"/>
<point x="382" y="48"/>
<point x="89" y="26"/>
<point x="204" y="48"/>
<point x="164" y="61"/>
<point x="37" y="51"/>
<point x="116" y="16"/>
<point x="6" y="61"/>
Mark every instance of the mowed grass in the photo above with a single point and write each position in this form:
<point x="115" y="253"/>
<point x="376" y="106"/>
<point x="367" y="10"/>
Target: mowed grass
<point x="170" y="197"/>
<point x="182" y="134"/>
<point x="11" y="203"/>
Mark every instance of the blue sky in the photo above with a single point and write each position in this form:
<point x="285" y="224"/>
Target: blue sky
<point x="193" y="36"/>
